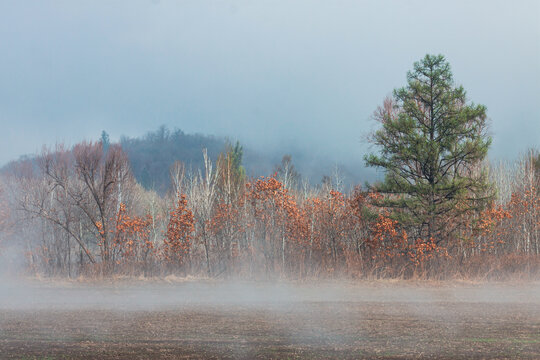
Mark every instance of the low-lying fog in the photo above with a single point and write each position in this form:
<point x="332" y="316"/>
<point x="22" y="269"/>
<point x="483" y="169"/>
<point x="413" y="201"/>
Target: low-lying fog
<point x="159" y="295"/>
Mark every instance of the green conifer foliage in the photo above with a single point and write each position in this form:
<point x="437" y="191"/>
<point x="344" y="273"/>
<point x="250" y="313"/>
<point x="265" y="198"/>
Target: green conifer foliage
<point x="431" y="145"/>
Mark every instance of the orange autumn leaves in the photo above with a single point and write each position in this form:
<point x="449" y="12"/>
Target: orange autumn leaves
<point x="177" y="241"/>
<point x="281" y="230"/>
<point x="513" y="227"/>
<point x="132" y="236"/>
<point x="273" y="207"/>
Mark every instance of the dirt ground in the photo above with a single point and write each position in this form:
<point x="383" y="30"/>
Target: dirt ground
<point x="388" y="322"/>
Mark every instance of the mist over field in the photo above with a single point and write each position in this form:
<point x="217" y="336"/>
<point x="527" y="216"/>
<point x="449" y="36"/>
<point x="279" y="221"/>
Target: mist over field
<point x="278" y="76"/>
<point x="173" y="293"/>
<point x="175" y="318"/>
<point x="270" y="179"/>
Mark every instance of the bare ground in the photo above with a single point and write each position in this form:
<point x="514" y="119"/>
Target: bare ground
<point x="362" y="322"/>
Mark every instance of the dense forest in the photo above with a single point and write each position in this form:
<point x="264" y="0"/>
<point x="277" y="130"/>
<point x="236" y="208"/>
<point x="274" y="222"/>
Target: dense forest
<point x="132" y="208"/>
<point x="152" y="155"/>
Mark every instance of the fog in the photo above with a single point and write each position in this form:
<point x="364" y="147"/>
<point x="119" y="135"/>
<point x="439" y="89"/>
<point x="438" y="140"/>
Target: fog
<point x="275" y="75"/>
<point x="173" y="293"/>
<point x="282" y="77"/>
<point x="176" y="317"/>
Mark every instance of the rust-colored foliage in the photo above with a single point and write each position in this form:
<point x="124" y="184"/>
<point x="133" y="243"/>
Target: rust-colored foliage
<point x="423" y="250"/>
<point x="490" y="234"/>
<point x="277" y="217"/>
<point x="524" y="208"/>
<point x="225" y="226"/>
<point x="224" y="219"/>
<point x="385" y="236"/>
<point x="330" y="223"/>
<point x="177" y="242"/>
<point x="262" y="227"/>
<point x="132" y="236"/>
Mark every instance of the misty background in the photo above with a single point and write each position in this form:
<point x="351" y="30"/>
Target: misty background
<point x="299" y="77"/>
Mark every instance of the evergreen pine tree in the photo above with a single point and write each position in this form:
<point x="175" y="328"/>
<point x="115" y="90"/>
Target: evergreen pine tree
<point x="431" y="142"/>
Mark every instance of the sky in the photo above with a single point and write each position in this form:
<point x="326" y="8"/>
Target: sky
<point x="273" y="74"/>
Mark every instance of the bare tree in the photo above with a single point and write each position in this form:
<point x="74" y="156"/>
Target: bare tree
<point x="80" y="191"/>
<point x="105" y="179"/>
<point x="50" y="197"/>
<point x="177" y="174"/>
<point x="203" y="198"/>
<point x="286" y="173"/>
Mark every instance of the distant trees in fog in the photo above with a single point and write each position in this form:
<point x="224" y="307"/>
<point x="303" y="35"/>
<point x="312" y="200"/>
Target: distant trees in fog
<point x="80" y="192"/>
<point x="81" y="212"/>
<point x="151" y="155"/>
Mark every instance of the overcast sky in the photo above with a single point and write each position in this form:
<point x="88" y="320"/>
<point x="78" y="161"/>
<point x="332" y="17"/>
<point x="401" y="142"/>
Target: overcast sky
<point x="270" y="73"/>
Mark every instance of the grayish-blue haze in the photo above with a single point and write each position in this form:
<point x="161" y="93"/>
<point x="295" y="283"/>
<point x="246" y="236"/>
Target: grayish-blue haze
<point x="270" y="73"/>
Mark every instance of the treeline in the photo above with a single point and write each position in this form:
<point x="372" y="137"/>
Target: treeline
<point x="80" y="211"/>
<point x="153" y="154"/>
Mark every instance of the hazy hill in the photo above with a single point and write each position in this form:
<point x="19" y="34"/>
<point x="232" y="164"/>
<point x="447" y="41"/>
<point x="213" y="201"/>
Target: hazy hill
<point x="152" y="154"/>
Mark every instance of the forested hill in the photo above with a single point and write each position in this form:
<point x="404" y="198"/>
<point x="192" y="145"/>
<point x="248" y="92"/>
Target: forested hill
<point x="152" y="155"/>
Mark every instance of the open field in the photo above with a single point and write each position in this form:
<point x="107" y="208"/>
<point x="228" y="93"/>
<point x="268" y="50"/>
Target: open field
<point x="248" y="320"/>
